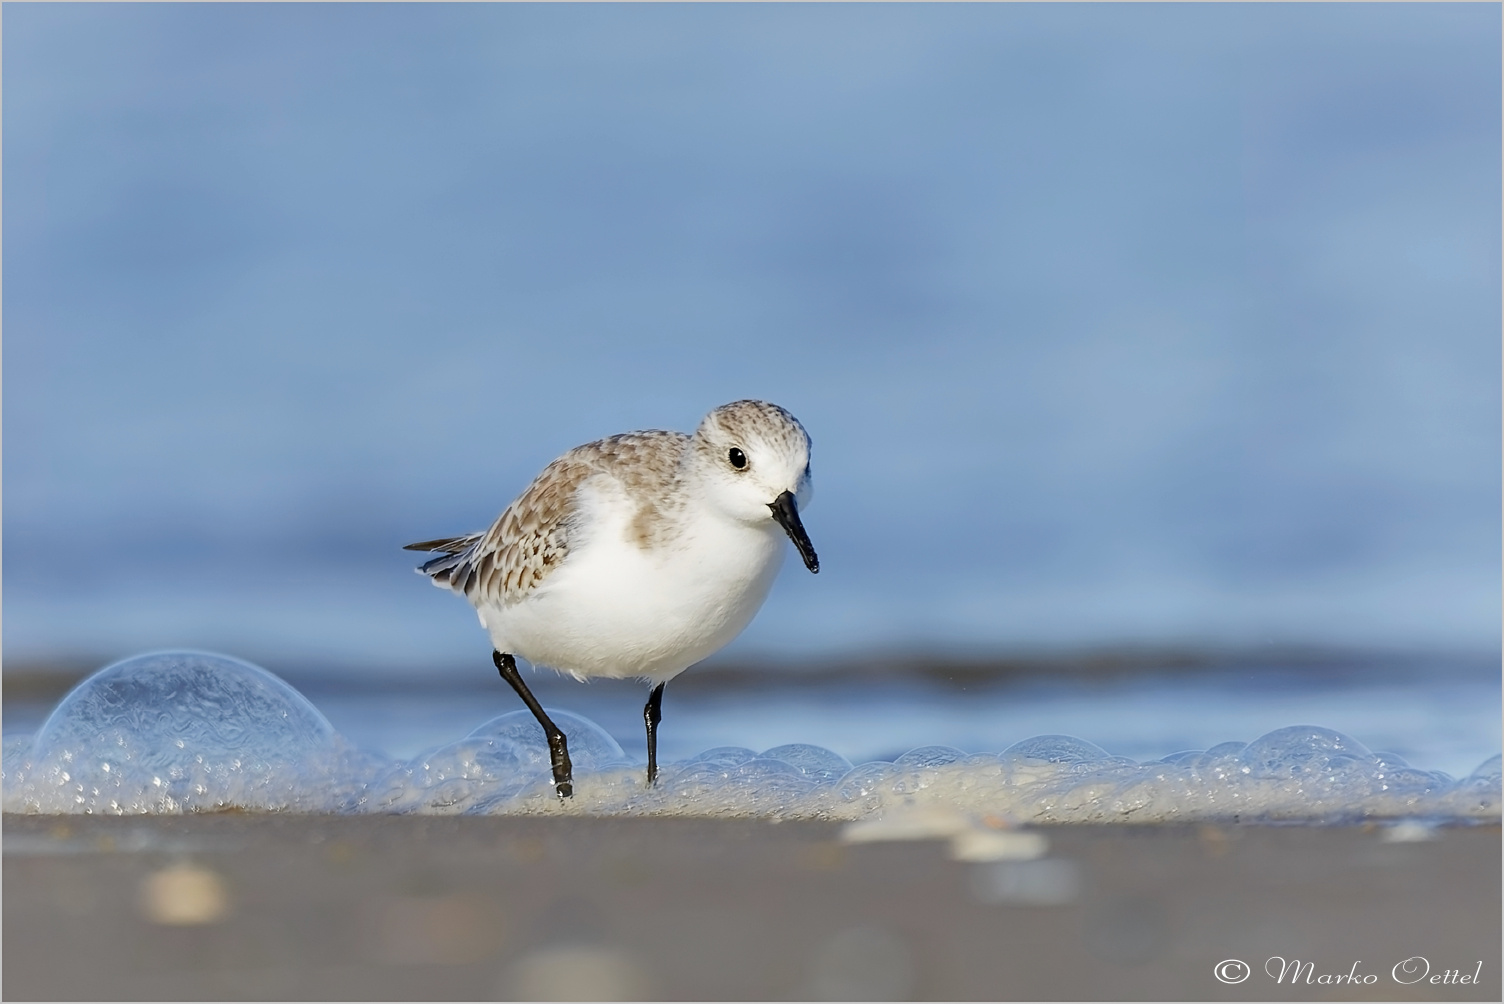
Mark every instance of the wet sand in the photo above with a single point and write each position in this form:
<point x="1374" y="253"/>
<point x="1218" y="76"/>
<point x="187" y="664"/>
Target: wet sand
<point x="237" y="906"/>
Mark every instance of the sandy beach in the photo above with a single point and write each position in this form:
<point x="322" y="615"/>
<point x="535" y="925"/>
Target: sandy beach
<point x="236" y="906"/>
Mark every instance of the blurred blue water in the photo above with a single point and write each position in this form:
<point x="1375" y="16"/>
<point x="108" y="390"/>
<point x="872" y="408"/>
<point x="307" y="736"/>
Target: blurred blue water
<point x="1110" y="323"/>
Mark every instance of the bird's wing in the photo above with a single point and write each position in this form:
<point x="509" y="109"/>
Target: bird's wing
<point x="531" y="536"/>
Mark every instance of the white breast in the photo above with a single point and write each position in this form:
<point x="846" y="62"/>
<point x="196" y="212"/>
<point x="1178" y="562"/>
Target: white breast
<point x="617" y="609"/>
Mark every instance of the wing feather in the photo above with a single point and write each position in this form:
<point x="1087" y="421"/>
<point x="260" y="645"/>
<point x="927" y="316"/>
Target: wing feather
<point x="531" y="537"/>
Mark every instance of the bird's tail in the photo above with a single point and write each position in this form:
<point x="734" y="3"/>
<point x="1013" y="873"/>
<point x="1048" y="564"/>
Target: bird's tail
<point x="456" y="553"/>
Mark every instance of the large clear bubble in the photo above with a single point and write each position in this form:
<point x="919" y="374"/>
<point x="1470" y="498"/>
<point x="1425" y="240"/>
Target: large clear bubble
<point x="183" y="731"/>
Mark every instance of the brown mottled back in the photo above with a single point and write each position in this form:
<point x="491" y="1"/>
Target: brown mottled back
<point x="531" y="536"/>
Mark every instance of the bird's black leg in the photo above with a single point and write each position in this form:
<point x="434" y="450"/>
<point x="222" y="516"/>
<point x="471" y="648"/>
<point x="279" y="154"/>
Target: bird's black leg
<point x="558" y="746"/>
<point x="652" y="714"/>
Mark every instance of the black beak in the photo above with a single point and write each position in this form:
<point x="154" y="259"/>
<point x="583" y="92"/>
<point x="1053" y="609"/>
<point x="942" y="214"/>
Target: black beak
<point x="787" y="515"/>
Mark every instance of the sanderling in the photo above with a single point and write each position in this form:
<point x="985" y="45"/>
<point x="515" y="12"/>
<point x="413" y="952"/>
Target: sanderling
<point x="636" y="556"/>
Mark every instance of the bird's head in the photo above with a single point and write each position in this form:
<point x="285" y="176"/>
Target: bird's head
<point x="756" y="456"/>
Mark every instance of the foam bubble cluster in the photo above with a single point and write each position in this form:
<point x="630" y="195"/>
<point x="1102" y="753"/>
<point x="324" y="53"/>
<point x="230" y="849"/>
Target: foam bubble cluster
<point x="182" y="732"/>
<point x="491" y="767"/>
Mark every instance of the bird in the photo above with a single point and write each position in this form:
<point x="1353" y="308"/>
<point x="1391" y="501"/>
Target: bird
<point x="636" y="556"/>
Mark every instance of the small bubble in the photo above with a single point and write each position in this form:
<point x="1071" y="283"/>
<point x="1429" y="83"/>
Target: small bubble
<point x="1056" y="749"/>
<point x="930" y="756"/>
<point x="1491" y="769"/>
<point x="1301" y="749"/>
<point x="812" y="761"/>
<point x="861" y="786"/>
<point x="590" y="746"/>
<point x="724" y="756"/>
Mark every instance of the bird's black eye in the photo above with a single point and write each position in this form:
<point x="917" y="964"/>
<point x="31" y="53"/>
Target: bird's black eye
<point x="738" y="458"/>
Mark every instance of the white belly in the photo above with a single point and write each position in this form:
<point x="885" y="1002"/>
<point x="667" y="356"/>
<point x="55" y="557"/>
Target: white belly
<point x="615" y="609"/>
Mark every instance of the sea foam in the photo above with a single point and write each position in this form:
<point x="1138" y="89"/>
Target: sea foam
<point x="173" y="732"/>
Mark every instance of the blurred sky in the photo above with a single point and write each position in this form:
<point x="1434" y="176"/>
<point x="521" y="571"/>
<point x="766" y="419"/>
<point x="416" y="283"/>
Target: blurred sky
<point x="1121" y="323"/>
